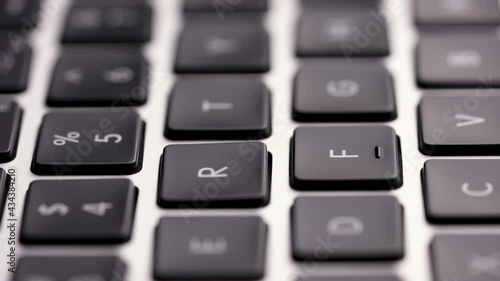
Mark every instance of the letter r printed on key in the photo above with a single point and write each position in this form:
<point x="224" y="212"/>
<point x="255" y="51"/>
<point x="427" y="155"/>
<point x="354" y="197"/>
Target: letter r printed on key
<point x="208" y="172"/>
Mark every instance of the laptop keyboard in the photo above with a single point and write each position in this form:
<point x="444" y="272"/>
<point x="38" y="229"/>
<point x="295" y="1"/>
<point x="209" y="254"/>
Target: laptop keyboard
<point x="304" y="140"/>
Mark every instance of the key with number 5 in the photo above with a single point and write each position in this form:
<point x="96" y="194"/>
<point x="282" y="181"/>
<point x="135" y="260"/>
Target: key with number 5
<point x="92" y="142"/>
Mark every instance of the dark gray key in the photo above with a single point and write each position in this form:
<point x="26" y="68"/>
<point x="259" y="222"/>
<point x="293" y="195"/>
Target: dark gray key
<point x="344" y="93"/>
<point x="95" y="142"/>
<point x="462" y="191"/>
<point x="463" y="12"/>
<point x="459" y="125"/>
<point x="235" y="175"/>
<point x="209" y="248"/>
<point x="219" y="108"/>
<point x="71" y="269"/>
<point x="19" y="14"/>
<point x="351" y="278"/>
<point x="345" y="158"/>
<point x="4" y="191"/>
<point x="336" y="34"/>
<point x="108" y="22"/>
<point x="465" y="60"/>
<point x="98" y="79"/>
<point x="466" y="257"/>
<point x="344" y="5"/>
<point x="15" y="61"/>
<point x="10" y="123"/>
<point x="79" y="212"/>
<point x="225" y="6"/>
<point x="347" y="228"/>
<point x="222" y="48"/>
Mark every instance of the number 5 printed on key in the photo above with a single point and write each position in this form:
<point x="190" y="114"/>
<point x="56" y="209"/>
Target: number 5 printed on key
<point x="106" y="139"/>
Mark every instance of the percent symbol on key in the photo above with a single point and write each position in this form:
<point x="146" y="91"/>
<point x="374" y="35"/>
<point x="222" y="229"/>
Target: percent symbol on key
<point x="70" y="137"/>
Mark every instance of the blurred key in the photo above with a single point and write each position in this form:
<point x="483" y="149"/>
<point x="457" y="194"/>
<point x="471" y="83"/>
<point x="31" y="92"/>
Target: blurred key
<point x="219" y="108"/>
<point x="73" y="268"/>
<point x="98" y="79"/>
<point x="344" y="93"/>
<point x="222" y="48"/>
<point x="108" y="22"/>
<point x="10" y="124"/>
<point x="15" y="61"/>
<point x="225" y="6"/>
<point x="19" y="14"/>
<point x="210" y="248"/>
<point x="347" y="228"/>
<point x="462" y="191"/>
<point x="453" y="60"/>
<point x="340" y="34"/>
<point x="351" y="278"/>
<point x="457" y="12"/>
<point x="459" y="125"/>
<point x="466" y="257"/>
<point x="79" y="212"/>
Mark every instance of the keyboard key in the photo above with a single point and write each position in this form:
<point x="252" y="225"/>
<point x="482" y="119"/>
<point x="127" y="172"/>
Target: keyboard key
<point x="19" y="14"/>
<point x="15" y="61"/>
<point x="459" y="125"/>
<point x="232" y="175"/>
<point x="209" y="248"/>
<point x="223" y="7"/>
<point x="71" y="269"/>
<point x="99" y="80"/>
<point x="356" y="6"/>
<point x="346" y="158"/>
<point x="10" y="123"/>
<point x="79" y="212"/>
<point x="111" y="22"/>
<point x="219" y="108"/>
<point x="347" y="228"/>
<point x="462" y="191"/>
<point x="466" y="257"/>
<point x="453" y="12"/>
<point x="323" y="34"/>
<point x="351" y="278"/>
<point x="344" y="94"/>
<point x="4" y="189"/>
<point x="223" y="49"/>
<point x="91" y="142"/>
<point x="465" y="60"/>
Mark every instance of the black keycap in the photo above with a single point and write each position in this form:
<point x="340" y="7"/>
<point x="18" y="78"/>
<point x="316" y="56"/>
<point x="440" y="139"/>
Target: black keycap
<point x="79" y="211"/>
<point x="466" y="257"/>
<point x="224" y="7"/>
<point x="465" y="60"/>
<point x="335" y="34"/>
<point x="100" y="80"/>
<point x="222" y="48"/>
<point x="4" y="189"/>
<point x="15" y="60"/>
<point x="71" y="269"/>
<point x="111" y="22"/>
<point x="19" y="14"/>
<point x="345" y="5"/>
<point x="95" y="142"/>
<point x="235" y="175"/>
<point x="350" y="278"/>
<point x="10" y="123"/>
<point x="450" y="12"/>
<point x="459" y="125"/>
<point x="344" y="93"/>
<point x="347" y="228"/>
<point x="462" y="191"/>
<point x="219" y="108"/>
<point x="345" y="158"/>
<point x="209" y="248"/>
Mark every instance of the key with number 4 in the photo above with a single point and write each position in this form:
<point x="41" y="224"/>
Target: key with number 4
<point x="79" y="211"/>
<point x="99" y="142"/>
